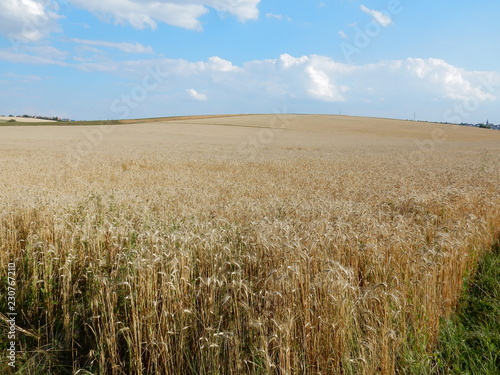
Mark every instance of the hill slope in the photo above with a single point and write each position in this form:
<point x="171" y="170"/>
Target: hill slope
<point x="258" y="244"/>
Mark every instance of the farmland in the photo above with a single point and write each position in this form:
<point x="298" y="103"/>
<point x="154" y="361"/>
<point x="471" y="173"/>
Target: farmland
<point x="253" y="244"/>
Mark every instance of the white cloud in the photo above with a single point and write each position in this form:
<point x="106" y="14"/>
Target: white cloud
<point x="196" y="95"/>
<point x="122" y="46"/>
<point x="342" y="34"/>
<point x="308" y="83"/>
<point x="44" y="50"/>
<point x="310" y="78"/>
<point x="321" y="87"/>
<point x="288" y="61"/>
<point x="215" y="63"/>
<point x="456" y="83"/>
<point x="383" y="19"/>
<point x="182" y="13"/>
<point x="24" y="21"/>
<point x="143" y="14"/>
<point x="23" y="77"/>
<point x="275" y="16"/>
<point x="25" y="58"/>
<point x="104" y="67"/>
<point x="243" y="9"/>
<point x="278" y="17"/>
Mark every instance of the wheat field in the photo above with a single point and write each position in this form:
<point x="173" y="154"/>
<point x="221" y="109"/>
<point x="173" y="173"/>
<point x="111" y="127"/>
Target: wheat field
<point x="253" y="244"/>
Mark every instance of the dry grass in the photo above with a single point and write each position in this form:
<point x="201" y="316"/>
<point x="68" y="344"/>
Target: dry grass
<point x="23" y="119"/>
<point x="207" y="246"/>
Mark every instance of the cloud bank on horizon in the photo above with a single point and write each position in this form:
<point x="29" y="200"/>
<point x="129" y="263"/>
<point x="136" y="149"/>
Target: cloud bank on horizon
<point x="89" y="59"/>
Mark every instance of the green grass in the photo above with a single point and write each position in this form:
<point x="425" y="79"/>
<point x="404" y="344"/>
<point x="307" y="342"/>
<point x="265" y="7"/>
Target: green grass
<point x="470" y="339"/>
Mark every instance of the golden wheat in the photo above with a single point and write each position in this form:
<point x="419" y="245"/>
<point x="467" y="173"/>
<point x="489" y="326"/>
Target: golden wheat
<point x="333" y="247"/>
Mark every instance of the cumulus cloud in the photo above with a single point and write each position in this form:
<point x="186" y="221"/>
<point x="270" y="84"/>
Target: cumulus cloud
<point x="288" y="61"/>
<point x="122" y="46"/>
<point x="321" y="86"/>
<point x="182" y="13"/>
<point x="196" y="95"/>
<point x="455" y="83"/>
<point x="24" y="21"/>
<point x="215" y="63"/>
<point x="313" y="78"/>
<point x="308" y="83"/>
<point x="383" y="19"/>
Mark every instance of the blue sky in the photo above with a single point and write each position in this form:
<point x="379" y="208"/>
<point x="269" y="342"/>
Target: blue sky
<point x="101" y="59"/>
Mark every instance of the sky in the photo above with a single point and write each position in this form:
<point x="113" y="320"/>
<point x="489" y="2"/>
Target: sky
<point x="115" y="59"/>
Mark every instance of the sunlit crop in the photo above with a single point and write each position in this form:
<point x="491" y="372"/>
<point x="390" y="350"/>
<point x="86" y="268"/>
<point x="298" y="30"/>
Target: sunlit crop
<point x="326" y="246"/>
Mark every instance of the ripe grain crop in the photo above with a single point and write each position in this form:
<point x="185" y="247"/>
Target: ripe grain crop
<point x="335" y="249"/>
